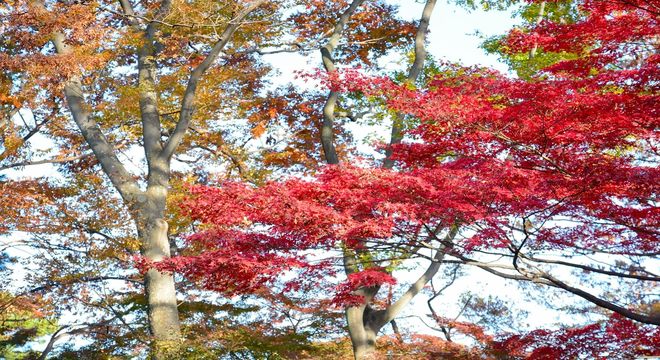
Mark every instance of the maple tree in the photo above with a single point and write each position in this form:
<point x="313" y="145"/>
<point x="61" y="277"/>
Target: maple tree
<point x="525" y="178"/>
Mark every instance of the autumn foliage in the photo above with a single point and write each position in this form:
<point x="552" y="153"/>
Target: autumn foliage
<point x="561" y="164"/>
<point x="175" y="156"/>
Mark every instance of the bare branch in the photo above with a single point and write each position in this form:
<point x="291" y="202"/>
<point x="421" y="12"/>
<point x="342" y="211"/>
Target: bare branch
<point x="56" y="160"/>
<point x="592" y="269"/>
<point x="653" y="319"/>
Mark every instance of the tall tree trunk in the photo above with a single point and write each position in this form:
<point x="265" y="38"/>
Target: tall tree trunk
<point x="160" y="292"/>
<point x="148" y="207"/>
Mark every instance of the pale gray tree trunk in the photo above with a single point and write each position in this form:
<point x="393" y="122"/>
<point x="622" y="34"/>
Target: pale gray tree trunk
<point x="364" y="324"/>
<point x="152" y="229"/>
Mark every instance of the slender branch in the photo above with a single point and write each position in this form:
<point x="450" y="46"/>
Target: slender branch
<point x="221" y="150"/>
<point x="327" y="128"/>
<point x="653" y="319"/>
<point x="51" y="342"/>
<point x="517" y="250"/>
<point x="539" y="18"/>
<point x="395" y="329"/>
<point x="592" y="269"/>
<point x="31" y="132"/>
<point x="413" y="74"/>
<point x="394" y="309"/>
<point x="547" y="279"/>
<point x="68" y="330"/>
<point x="35" y="129"/>
<point x="188" y="102"/>
<point x="57" y="160"/>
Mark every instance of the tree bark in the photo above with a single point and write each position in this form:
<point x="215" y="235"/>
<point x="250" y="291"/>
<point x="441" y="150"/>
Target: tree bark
<point x="152" y="227"/>
<point x="147" y="208"/>
<point x="161" y="296"/>
<point x="413" y="73"/>
<point x="159" y="287"/>
<point x="364" y="324"/>
<point x="363" y="336"/>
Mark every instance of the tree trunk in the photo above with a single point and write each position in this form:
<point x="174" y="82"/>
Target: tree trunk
<point x="159" y="287"/>
<point x="161" y="296"/>
<point x="363" y="327"/>
<point x="148" y="208"/>
<point x="365" y="349"/>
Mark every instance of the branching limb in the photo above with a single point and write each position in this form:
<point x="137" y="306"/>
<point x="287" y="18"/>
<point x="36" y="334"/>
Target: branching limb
<point x="327" y="129"/>
<point x="413" y="73"/>
<point x="121" y="179"/>
<point x="394" y="309"/>
<point x="188" y="102"/>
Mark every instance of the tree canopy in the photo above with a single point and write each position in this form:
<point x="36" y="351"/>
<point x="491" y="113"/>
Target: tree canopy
<point x="200" y="208"/>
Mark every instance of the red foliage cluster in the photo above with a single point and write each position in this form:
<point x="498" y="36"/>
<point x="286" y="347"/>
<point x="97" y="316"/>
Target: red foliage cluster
<point x="618" y="338"/>
<point x="566" y="160"/>
<point x="572" y="144"/>
<point x="372" y="277"/>
<point x="609" y="33"/>
<point x="258" y="233"/>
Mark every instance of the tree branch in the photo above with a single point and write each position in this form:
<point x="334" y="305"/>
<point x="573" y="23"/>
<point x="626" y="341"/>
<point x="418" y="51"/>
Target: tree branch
<point x="327" y="128"/>
<point x="547" y="279"/>
<point x="592" y="269"/>
<point x="413" y="73"/>
<point x="148" y="96"/>
<point x="188" y="102"/>
<point x="394" y="309"/>
<point x="57" y="160"/>
<point x="121" y="179"/>
<point x="653" y="319"/>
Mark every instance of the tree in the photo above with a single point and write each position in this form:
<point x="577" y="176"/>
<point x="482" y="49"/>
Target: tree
<point x="522" y="178"/>
<point x="84" y="49"/>
<point x="132" y="100"/>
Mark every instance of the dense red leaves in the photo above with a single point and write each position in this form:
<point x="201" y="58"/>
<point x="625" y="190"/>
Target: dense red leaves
<point x="259" y="232"/>
<point x="579" y="147"/>
<point x="373" y="277"/>
<point x="618" y="338"/>
<point x="608" y="32"/>
<point x="613" y="339"/>
<point x="567" y="160"/>
<point x="232" y="267"/>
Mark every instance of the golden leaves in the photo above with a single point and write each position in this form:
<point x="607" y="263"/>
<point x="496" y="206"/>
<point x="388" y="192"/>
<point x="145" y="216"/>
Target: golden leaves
<point x="259" y="130"/>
